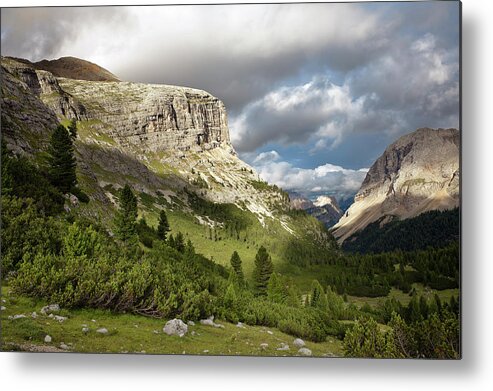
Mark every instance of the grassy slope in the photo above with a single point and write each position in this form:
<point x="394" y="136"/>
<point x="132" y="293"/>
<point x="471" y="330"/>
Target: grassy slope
<point x="130" y="333"/>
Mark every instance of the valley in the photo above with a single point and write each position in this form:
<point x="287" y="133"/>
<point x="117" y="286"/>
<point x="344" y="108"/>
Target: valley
<point x="161" y="206"/>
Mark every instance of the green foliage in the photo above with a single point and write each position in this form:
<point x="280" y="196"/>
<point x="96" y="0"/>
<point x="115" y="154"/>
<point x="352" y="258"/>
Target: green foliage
<point x="163" y="226"/>
<point x="125" y="220"/>
<point x="21" y="178"/>
<point x="433" y="228"/>
<point x="81" y="241"/>
<point x="236" y="265"/>
<point x="263" y="270"/>
<point x="26" y="232"/>
<point x="72" y="129"/>
<point x="365" y="339"/>
<point x="318" y="299"/>
<point x="61" y="160"/>
<point x="146" y="234"/>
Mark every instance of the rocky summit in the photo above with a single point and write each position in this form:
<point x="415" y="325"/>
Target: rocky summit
<point x="417" y="173"/>
<point x="325" y="208"/>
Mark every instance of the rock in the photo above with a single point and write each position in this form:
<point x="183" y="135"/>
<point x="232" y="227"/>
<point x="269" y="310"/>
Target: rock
<point x="283" y="346"/>
<point x="193" y="332"/>
<point x="85" y="330"/>
<point x="264" y="346"/>
<point x="50" y="316"/>
<point x="73" y="200"/>
<point x="2" y="308"/>
<point x="4" y="301"/>
<point x="218" y="326"/>
<point x="299" y="343"/>
<point x="155" y="331"/>
<point x="14" y="317"/>
<point x="240" y="325"/>
<point x="269" y="332"/>
<point x="417" y="173"/>
<point x="48" y="309"/>
<point x="34" y="315"/>
<point x="305" y="352"/>
<point x="175" y="327"/>
<point x="60" y="319"/>
<point x="102" y="330"/>
<point x="191" y="323"/>
<point x="93" y="320"/>
<point x="47" y="339"/>
<point x="63" y="346"/>
<point x="208" y="322"/>
<point x="205" y="351"/>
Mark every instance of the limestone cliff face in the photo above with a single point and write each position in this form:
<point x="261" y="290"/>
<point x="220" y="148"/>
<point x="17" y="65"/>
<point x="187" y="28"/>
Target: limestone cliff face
<point x="417" y="173"/>
<point x="165" y="140"/>
<point x="325" y="208"/>
<point x="154" y="117"/>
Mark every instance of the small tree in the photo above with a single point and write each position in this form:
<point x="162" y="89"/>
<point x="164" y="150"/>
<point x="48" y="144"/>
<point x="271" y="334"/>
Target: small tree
<point x="163" y="226"/>
<point x="126" y="216"/>
<point x="236" y="265"/>
<point x="263" y="270"/>
<point x="180" y="242"/>
<point x="61" y="160"/>
<point x="318" y="297"/>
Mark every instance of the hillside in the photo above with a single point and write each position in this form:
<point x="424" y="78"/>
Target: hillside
<point x="169" y="143"/>
<point x="72" y="68"/>
<point x="417" y="173"/>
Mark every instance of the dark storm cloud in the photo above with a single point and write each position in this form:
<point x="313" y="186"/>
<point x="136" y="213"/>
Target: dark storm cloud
<point x="46" y="33"/>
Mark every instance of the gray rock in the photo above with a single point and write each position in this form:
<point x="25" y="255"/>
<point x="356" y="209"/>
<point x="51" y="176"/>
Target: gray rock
<point x="48" y="309"/>
<point x="102" y="330"/>
<point x="14" y="317"/>
<point x="34" y="315"/>
<point x="269" y="332"/>
<point x="299" y="343"/>
<point x="208" y="322"/>
<point x="264" y="346"/>
<point x="283" y="346"/>
<point x="47" y="339"/>
<point x="175" y="327"/>
<point x="85" y="330"/>
<point x="240" y="325"/>
<point x="60" y="319"/>
<point x="191" y="323"/>
<point x="2" y="308"/>
<point x="305" y="352"/>
<point x="63" y="346"/>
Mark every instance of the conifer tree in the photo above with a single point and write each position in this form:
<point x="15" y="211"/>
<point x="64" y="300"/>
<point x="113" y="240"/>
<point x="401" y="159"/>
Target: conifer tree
<point x="236" y="265"/>
<point x="126" y="216"/>
<point x="61" y="160"/>
<point x="72" y="128"/>
<point x="263" y="270"/>
<point x="180" y="242"/>
<point x="163" y="226"/>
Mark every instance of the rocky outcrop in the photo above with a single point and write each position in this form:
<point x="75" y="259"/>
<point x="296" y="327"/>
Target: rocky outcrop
<point x="417" y="173"/>
<point x="325" y="208"/>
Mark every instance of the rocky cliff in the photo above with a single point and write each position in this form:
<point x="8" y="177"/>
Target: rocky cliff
<point x="417" y="173"/>
<point x="325" y="208"/>
<point x="163" y="139"/>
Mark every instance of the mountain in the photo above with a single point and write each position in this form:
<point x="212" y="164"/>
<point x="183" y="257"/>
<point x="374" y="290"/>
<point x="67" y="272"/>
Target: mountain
<point x="171" y="144"/>
<point x="325" y="208"/>
<point x="417" y="173"/>
<point x="72" y="68"/>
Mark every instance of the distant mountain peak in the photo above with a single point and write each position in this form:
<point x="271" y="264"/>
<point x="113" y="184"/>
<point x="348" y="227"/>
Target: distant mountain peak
<point x="417" y="173"/>
<point x="72" y="68"/>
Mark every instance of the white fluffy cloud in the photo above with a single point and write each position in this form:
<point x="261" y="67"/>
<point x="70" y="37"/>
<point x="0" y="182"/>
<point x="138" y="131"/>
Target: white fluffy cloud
<point x="327" y="178"/>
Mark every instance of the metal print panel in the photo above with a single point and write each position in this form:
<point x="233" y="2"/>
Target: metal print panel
<point x="262" y="180"/>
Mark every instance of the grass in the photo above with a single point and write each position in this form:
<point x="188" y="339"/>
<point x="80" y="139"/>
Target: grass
<point x="129" y="333"/>
<point x="444" y="295"/>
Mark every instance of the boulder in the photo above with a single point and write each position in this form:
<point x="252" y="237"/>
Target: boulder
<point x="305" y="352"/>
<point x="191" y="323"/>
<point x="2" y="308"/>
<point x="60" y="319"/>
<point x="14" y="317"/>
<point x="299" y="343"/>
<point x="34" y="315"/>
<point x="48" y="309"/>
<point x="208" y="322"/>
<point x="175" y="327"/>
<point x="85" y="330"/>
<point x="240" y="325"/>
<point x="47" y="339"/>
<point x="102" y="330"/>
<point x="264" y="346"/>
<point x="283" y="346"/>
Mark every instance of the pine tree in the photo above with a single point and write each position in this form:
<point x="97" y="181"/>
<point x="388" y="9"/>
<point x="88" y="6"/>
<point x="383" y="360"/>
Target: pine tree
<point x="163" y="226"/>
<point x="180" y="242"/>
<point x="61" y="160"/>
<point x="263" y="270"/>
<point x="318" y="298"/>
<point x="72" y="128"/>
<point x="126" y="216"/>
<point x="236" y="265"/>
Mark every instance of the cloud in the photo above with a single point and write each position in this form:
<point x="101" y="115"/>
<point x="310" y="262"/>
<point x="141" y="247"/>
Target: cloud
<point x="396" y="93"/>
<point x="327" y="178"/>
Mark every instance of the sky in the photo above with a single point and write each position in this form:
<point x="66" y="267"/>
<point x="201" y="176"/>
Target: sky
<point x="314" y="92"/>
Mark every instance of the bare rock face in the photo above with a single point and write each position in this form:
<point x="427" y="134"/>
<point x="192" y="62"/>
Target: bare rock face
<point x="417" y="173"/>
<point x="325" y="208"/>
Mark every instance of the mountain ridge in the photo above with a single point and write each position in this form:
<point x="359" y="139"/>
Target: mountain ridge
<point x="419" y="172"/>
